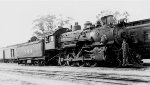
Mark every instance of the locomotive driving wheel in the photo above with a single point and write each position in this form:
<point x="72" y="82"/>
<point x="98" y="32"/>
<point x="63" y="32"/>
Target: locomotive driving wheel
<point x="93" y="64"/>
<point x="82" y="64"/>
<point x="61" y="60"/>
<point x="87" y="64"/>
<point x="69" y="61"/>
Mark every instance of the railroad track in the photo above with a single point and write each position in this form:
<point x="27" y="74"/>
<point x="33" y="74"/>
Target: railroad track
<point x="91" y="78"/>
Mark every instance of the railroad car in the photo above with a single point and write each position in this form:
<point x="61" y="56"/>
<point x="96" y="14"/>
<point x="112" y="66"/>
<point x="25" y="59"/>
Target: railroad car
<point x="1" y="55"/>
<point x="8" y="54"/>
<point x="139" y="32"/>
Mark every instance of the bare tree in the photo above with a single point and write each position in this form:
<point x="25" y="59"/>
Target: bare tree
<point x="48" y="23"/>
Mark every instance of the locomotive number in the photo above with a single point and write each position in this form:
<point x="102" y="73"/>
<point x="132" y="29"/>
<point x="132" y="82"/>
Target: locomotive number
<point x="28" y="51"/>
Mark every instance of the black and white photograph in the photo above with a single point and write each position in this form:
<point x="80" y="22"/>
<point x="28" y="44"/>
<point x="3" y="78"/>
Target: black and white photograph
<point x="74" y="42"/>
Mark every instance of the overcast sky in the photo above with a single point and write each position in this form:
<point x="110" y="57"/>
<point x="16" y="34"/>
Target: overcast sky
<point x="16" y="16"/>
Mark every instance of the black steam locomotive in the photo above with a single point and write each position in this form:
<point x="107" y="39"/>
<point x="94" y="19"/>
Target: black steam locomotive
<point x="104" y="44"/>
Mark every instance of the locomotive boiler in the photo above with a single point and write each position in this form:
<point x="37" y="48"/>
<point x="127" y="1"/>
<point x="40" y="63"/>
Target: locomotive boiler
<point x="103" y="44"/>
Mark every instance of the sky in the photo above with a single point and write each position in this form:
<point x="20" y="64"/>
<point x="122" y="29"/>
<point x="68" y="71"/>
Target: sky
<point x="16" y="16"/>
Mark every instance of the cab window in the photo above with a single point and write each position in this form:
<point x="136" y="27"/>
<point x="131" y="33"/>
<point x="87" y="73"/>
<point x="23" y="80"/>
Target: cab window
<point x="147" y="36"/>
<point x="49" y="39"/>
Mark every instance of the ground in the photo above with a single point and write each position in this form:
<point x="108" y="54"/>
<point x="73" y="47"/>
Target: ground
<point x="14" y="74"/>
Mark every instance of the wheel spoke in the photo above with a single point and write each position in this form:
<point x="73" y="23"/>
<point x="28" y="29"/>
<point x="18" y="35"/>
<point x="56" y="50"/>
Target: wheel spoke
<point x="72" y="64"/>
<point x="36" y="63"/>
<point x="69" y="61"/>
<point x="82" y="64"/>
<point x="42" y="63"/>
<point x="93" y="64"/>
<point x="61" y="61"/>
<point x="77" y="64"/>
<point x="87" y="64"/>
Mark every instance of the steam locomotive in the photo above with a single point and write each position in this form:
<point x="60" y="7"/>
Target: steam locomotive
<point x="103" y="44"/>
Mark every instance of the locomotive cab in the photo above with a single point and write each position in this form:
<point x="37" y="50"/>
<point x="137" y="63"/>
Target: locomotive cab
<point x="52" y="41"/>
<point x="49" y="42"/>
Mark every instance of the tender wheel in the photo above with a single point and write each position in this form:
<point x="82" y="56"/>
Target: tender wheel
<point x="36" y="63"/>
<point x="42" y="63"/>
